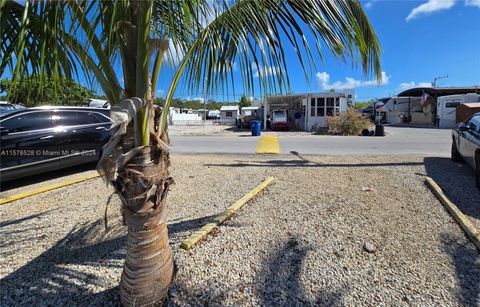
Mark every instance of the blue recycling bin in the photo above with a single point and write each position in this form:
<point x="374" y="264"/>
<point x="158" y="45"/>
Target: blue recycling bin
<point x="256" y="127"/>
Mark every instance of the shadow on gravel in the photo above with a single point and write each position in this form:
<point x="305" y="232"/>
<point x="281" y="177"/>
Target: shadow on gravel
<point x="457" y="180"/>
<point x="301" y="161"/>
<point x="25" y="181"/>
<point x="24" y="219"/>
<point x="279" y="281"/>
<point x="189" y="225"/>
<point x="466" y="259"/>
<point x="59" y="276"/>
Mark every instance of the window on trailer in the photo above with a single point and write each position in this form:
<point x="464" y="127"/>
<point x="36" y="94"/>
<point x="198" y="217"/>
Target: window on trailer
<point x="337" y="106"/>
<point x="312" y="107"/>
<point x="321" y="106"/>
<point x="228" y="114"/>
<point x="330" y="106"/>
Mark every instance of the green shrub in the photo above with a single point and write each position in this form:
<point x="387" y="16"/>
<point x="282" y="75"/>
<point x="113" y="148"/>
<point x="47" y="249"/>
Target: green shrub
<point x="350" y="122"/>
<point x="359" y="105"/>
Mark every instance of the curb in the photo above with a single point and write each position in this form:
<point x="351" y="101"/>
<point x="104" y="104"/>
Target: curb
<point x="219" y="219"/>
<point x="42" y="190"/>
<point x="461" y="219"/>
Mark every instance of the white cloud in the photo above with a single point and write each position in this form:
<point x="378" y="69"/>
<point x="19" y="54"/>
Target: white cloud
<point x="323" y="79"/>
<point x="370" y="4"/>
<point x="431" y="6"/>
<point x="160" y="92"/>
<point x="473" y="3"/>
<point x="411" y="84"/>
<point x="201" y="99"/>
<point x="175" y="53"/>
<point x="265" y="71"/>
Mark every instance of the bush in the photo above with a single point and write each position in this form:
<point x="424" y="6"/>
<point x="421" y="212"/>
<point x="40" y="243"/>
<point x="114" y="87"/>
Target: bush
<point x="359" y="105"/>
<point x="348" y="123"/>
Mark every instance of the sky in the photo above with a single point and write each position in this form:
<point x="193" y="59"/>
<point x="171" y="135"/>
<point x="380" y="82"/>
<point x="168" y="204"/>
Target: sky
<point x="420" y="40"/>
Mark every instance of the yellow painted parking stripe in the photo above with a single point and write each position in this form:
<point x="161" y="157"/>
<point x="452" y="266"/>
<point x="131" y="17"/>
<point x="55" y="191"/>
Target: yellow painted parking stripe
<point x="42" y="190"/>
<point x="219" y="219"/>
<point x="268" y="145"/>
<point x="461" y="219"/>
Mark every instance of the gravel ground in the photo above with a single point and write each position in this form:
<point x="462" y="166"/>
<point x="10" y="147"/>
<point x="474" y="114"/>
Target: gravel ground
<point x="314" y="237"/>
<point x="208" y="129"/>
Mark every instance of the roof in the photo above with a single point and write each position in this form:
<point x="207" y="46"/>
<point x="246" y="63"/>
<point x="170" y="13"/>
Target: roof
<point x="471" y="105"/>
<point x="439" y="91"/>
<point x="250" y="108"/>
<point x="229" y="108"/>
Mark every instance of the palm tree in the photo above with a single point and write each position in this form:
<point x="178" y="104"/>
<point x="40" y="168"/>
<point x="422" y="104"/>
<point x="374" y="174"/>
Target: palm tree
<point x="57" y="39"/>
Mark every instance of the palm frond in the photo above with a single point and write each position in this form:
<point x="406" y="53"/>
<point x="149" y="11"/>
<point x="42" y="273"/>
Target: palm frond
<point x="253" y="33"/>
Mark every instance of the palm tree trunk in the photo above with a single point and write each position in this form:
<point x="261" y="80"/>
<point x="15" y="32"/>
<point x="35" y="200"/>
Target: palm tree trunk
<point x="143" y="184"/>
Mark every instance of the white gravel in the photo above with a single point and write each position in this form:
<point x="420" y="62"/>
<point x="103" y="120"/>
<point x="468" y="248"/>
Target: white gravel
<point x="303" y="241"/>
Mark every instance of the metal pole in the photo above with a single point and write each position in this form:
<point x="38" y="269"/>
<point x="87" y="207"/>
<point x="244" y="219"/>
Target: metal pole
<point x="265" y="113"/>
<point x="204" y="112"/>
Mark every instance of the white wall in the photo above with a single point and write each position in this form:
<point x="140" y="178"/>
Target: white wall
<point x="228" y="120"/>
<point x="185" y="119"/>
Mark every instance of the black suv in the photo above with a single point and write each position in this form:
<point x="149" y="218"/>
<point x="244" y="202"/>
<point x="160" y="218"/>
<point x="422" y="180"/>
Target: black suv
<point x="41" y="139"/>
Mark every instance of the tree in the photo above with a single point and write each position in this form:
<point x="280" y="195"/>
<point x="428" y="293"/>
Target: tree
<point x="30" y="92"/>
<point x="243" y="103"/>
<point x="61" y="38"/>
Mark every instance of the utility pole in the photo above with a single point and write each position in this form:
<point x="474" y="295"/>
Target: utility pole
<point x="434" y="83"/>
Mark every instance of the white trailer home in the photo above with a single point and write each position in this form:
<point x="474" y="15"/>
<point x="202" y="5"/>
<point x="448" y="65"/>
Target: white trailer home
<point x="313" y="107"/>
<point x="447" y="108"/>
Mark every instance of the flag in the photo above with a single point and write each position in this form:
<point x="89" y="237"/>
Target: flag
<point x="424" y="98"/>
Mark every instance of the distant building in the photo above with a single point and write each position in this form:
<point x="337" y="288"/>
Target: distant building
<point x="428" y="112"/>
<point x="228" y="115"/>
<point x="249" y="110"/>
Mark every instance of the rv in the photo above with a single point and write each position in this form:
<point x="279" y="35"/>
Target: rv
<point x="447" y="108"/>
<point x="279" y="120"/>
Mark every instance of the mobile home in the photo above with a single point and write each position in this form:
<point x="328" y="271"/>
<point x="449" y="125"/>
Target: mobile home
<point x="314" y="108"/>
<point x="447" y="108"/>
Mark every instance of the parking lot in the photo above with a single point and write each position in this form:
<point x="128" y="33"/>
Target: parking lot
<point x="301" y="242"/>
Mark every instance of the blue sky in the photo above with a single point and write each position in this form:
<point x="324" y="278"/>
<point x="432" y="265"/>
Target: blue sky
<point x="420" y="40"/>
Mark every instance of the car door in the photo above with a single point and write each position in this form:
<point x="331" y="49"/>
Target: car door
<point x="94" y="132"/>
<point x="29" y="139"/>
<point x="81" y="134"/>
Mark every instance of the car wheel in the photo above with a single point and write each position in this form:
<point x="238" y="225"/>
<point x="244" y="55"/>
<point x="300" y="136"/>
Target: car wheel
<point x="454" y="153"/>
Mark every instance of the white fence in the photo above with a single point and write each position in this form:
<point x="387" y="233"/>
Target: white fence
<point x="182" y="119"/>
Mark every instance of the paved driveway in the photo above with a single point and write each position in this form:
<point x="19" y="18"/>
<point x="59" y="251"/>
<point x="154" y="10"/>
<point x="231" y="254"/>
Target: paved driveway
<point x="399" y="140"/>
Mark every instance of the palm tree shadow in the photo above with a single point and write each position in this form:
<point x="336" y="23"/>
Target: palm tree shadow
<point x="59" y="276"/>
<point x="278" y="282"/>
<point x="301" y="161"/>
<point x="71" y="271"/>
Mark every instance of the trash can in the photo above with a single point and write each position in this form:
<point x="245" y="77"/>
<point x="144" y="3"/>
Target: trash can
<point x="379" y="130"/>
<point x="256" y="127"/>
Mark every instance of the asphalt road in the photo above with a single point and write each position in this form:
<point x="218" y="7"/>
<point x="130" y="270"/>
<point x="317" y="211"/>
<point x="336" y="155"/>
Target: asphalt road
<point x="399" y="140"/>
